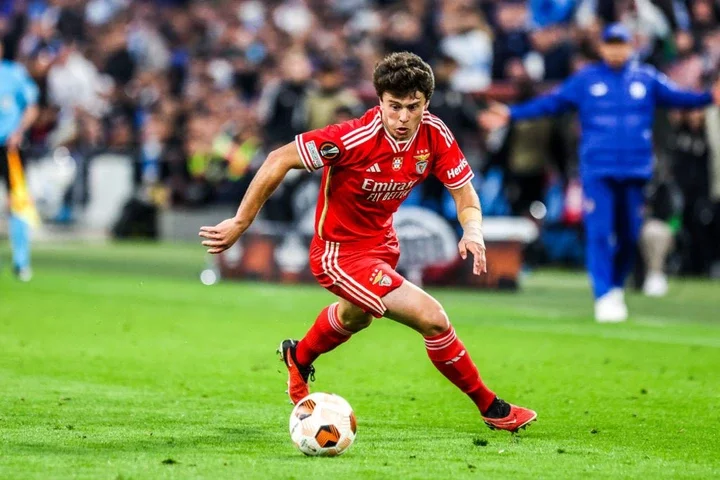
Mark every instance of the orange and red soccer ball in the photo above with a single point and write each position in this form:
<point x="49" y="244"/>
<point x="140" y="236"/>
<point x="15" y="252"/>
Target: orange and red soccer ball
<point x="323" y="424"/>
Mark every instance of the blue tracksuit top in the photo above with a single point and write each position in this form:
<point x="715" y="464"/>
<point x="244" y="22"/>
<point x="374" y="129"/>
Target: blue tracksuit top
<point x="616" y="109"/>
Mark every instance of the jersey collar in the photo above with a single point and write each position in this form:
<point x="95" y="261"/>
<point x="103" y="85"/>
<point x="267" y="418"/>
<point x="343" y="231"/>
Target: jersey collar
<point x="404" y="146"/>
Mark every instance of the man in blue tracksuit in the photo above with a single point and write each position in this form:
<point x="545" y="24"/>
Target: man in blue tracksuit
<point x="18" y="111"/>
<point x="616" y="101"/>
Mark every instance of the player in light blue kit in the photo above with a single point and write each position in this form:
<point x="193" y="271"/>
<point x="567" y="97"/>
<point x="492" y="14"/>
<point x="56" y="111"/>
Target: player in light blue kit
<point x="615" y="100"/>
<point x="18" y="111"/>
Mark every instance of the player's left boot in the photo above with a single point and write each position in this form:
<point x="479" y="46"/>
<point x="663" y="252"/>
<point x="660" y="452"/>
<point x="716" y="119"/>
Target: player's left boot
<point x="298" y="375"/>
<point x="23" y="274"/>
<point x="505" y="416"/>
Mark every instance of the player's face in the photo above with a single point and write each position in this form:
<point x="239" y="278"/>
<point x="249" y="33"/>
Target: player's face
<point x="402" y="116"/>
<point x="616" y="54"/>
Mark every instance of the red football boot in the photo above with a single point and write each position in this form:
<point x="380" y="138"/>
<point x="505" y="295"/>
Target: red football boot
<point x="298" y="375"/>
<point x="505" y="416"/>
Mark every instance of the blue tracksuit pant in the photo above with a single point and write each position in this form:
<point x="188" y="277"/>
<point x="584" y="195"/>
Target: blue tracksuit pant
<point x="613" y="219"/>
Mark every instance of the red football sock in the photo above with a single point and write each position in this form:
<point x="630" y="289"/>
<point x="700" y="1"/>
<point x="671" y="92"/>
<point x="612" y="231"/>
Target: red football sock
<point x="448" y="354"/>
<point x="326" y="333"/>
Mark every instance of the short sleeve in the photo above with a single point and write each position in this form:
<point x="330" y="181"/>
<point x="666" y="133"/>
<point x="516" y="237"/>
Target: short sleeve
<point x="321" y="147"/>
<point x="337" y="143"/>
<point x="450" y="165"/>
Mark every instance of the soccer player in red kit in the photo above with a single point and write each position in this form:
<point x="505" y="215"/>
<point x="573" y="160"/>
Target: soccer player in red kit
<point x="369" y="166"/>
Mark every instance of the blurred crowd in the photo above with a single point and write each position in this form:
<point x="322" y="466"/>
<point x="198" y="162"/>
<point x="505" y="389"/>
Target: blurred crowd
<point x="197" y="92"/>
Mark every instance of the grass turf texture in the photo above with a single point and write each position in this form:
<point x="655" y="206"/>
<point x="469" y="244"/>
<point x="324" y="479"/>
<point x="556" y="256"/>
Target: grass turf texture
<point x="115" y="362"/>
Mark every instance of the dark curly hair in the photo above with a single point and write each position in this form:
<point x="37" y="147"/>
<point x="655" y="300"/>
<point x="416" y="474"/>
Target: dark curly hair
<point x="401" y="74"/>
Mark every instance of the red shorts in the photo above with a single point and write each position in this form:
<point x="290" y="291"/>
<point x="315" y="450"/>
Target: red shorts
<point x="360" y="276"/>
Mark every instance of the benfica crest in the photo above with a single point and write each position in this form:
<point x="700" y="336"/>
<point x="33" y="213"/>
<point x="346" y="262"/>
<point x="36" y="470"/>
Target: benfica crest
<point x="397" y="163"/>
<point x="421" y="162"/>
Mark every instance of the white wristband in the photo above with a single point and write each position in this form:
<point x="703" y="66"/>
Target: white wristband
<point x="472" y="232"/>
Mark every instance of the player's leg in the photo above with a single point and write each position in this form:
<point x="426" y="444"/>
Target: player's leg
<point x="411" y="306"/>
<point x="336" y="323"/>
<point x="599" y="212"/>
<point x="333" y="327"/>
<point x="629" y="220"/>
<point x="599" y="218"/>
<point x="19" y="231"/>
<point x="20" y="244"/>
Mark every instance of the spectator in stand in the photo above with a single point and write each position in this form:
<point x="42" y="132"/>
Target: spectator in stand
<point x="405" y="32"/>
<point x="468" y="40"/>
<point x="688" y="68"/>
<point x="283" y="103"/>
<point x="74" y="82"/>
<point x="550" y="58"/>
<point x="704" y="18"/>
<point x="330" y="94"/>
<point x="511" y="36"/>
<point x="691" y="170"/>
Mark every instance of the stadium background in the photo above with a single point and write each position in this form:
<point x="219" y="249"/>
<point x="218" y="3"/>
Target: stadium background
<point x="192" y="95"/>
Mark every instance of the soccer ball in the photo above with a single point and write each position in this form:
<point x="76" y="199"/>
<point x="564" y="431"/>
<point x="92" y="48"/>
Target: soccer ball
<point x="323" y="424"/>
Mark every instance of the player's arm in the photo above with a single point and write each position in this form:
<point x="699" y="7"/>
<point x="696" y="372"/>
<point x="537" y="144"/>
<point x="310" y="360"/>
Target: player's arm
<point x="668" y="94"/>
<point x="29" y="116"/>
<point x="27" y="96"/>
<point x="467" y="204"/>
<point x="559" y="100"/>
<point x="272" y="172"/>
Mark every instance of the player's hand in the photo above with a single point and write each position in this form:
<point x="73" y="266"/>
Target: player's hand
<point x="497" y="115"/>
<point x="478" y="252"/>
<point x="14" y="140"/>
<point x="222" y="236"/>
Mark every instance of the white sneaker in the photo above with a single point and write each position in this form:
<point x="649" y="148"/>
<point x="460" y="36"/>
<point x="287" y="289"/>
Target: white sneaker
<point x="611" y="308"/>
<point x="656" y="285"/>
<point x="618" y="293"/>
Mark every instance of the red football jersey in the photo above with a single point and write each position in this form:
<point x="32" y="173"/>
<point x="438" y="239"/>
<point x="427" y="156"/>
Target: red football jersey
<point x="367" y="174"/>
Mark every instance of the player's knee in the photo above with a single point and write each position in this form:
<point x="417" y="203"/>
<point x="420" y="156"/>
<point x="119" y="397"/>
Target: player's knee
<point x="357" y="323"/>
<point x="354" y="321"/>
<point x="435" y="322"/>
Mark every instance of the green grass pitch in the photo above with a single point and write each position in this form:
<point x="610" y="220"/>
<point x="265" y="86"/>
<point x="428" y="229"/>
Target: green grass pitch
<point x="117" y="363"/>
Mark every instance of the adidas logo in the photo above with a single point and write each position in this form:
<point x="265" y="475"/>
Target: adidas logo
<point x="450" y="362"/>
<point x="375" y="168"/>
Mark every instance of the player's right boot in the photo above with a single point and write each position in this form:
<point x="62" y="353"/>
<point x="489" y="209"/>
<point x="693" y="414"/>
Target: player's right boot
<point x="506" y="416"/>
<point x="298" y="375"/>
